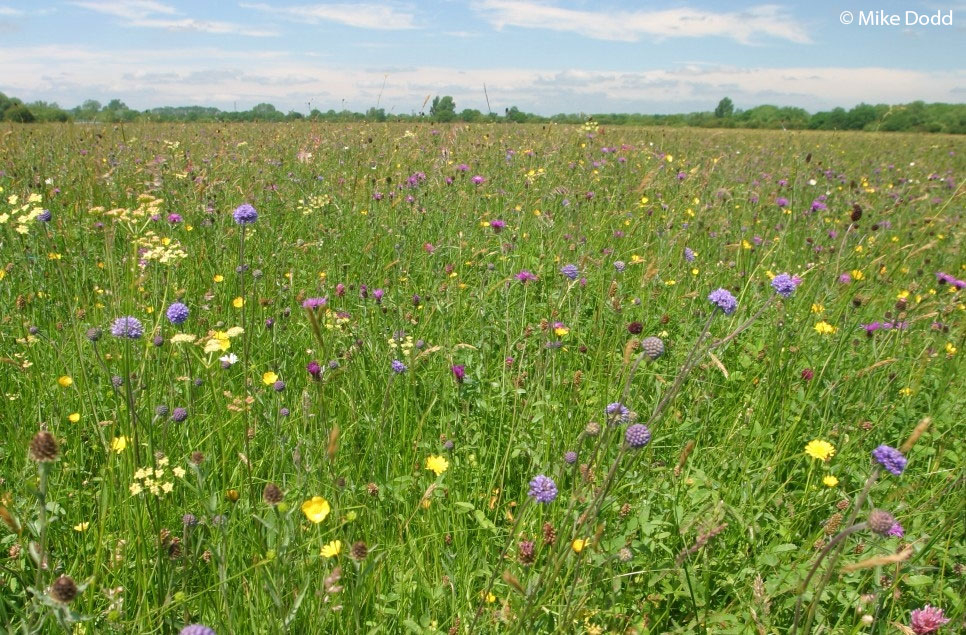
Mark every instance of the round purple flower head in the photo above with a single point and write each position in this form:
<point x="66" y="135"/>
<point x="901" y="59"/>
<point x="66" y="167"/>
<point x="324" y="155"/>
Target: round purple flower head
<point x="459" y="372"/>
<point x="178" y="313"/>
<point x="570" y="271"/>
<point x="617" y="412"/>
<point x="314" y="369"/>
<point x="689" y="254"/>
<point x="619" y="265"/>
<point x="398" y="367"/>
<point x="179" y="414"/>
<point x="723" y="299"/>
<point x="570" y="457"/>
<point x="890" y="458"/>
<point x="196" y="629"/>
<point x="497" y="225"/>
<point x="245" y="214"/>
<point x="637" y="435"/>
<point x="543" y="489"/>
<point x="928" y="619"/>
<point x="784" y="284"/>
<point x="127" y="327"/>
<point x="44" y="216"/>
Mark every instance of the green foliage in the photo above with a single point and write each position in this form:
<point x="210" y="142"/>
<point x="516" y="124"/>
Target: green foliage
<point x="725" y="108"/>
<point x="443" y="109"/>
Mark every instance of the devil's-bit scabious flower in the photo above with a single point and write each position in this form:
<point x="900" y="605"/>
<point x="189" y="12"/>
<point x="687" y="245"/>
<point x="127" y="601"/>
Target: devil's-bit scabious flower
<point x="723" y="299"/>
<point x="617" y="412"/>
<point x="127" y="327"/>
<point x="196" y="629"/>
<point x="689" y="254"/>
<point x="928" y="619"/>
<point x="543" y="489"/>
<point x="398" y="367"/>
<point x="619" y="265"/>
<point x="890" y="458"/>
<point x="570" y="457"/>
<point x="637" y="435"/>
<point x="570" y="271"/>
<point x="178" y="415"/>
<point x="245" y="214"/>
<point x="784" y="284"/>
<point x="653" y="347"/>
<point x="177" y="313"/>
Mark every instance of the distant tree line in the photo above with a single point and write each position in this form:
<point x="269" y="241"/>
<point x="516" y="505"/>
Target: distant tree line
<point x="917" y="116"/>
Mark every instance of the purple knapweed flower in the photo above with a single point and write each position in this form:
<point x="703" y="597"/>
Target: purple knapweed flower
<point x="245" y="214"/>
<point x="174" y="218"/>
<point x="314" y="303"/>
<point x="377" y="295"/>
<point x="177" y="313"/>
<point x="459" y="372"/>
<point x="526" y="276"/>
<point x="781" y="201"/>
<point x="127" y="327"/>
<point x="497" y="225"/>
<point x="543" y="489"/>
<point x="478" y="180"/>
<point x="723" y="299"/>
<point x="896" y="531"/>
<point x="890" y="458"/>
<point x="315" y="369"/>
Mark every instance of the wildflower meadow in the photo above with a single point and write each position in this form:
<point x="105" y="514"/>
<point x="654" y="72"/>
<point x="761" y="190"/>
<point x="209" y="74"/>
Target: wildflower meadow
<point x="480" y="378"/>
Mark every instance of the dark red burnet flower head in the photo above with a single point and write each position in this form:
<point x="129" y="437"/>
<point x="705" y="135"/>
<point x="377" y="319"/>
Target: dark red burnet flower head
<point x="807" y="374"/>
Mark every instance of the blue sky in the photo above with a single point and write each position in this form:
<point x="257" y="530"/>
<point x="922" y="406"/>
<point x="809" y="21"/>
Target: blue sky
<point x="543" y="56"/>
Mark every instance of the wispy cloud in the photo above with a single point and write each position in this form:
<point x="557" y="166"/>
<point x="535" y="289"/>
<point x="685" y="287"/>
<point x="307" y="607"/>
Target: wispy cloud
<point x="157" y="15"/>
<point x="746" y="26"/>
<point x="9" y="11"/>
<point x="364" y="16"/>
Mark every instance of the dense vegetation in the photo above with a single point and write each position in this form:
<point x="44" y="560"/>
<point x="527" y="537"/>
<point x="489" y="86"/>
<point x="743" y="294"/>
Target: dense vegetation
<point x="915" y="117"/>
<point x="421" y="378"/>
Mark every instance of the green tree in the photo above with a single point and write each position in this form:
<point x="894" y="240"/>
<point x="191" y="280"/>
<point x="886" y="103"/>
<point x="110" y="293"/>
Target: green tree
<point x="18" y="113"/>
<point x="725" y="108"/>
<point x="443" y="108"/>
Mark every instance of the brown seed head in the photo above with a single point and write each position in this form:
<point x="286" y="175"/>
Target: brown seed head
<point x="63" y="590"/>
<point x="43" y="447"/>
<point x="272" y="494"/>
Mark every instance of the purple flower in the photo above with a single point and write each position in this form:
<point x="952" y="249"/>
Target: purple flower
<point x="315" y="369"/>
<point x="617" y="412"/>
<point x="278" y="386"/>
<point x="619" y="265"/>
<point x="928" y="619"/>
<point x="896" y="530"/>
<point x="177" y="313"/>
<point x="784" y="284"/>
<point x="497" y="225"/>
<point x="526" y="276"/>
<point x="570" y="457"/>
<point x="44" y="216"/>
<point x="781" y="201"/>
<point x="377" y="294"/>
<point x="284" y="412"/>
<point x="478" y="180"/>
<point x="570" y="271"/>
<point x="196" y="629"/>
<point x="314" y="303"/>
<point x="890" y="458"/>
<point x="174" y="218"/>
<point x="637" y="435"/>
<point x="340" y="289"/>
<point x="398" y="367"/>
<point x="245" y="214"/>
<point x="127" y="327"/>
<point x="543" y="489"/>
<point x="723" y="299"/>
<point x="689" y="254"/>
<point x="845" y="278"/>
<point x="179" y="414"/>
<point x="459" y="372"/>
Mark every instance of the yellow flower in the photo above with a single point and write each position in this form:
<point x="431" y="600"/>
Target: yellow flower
<point x="821" y="450"/>
<point x="238" y="302"/>
<point x="818" y="308"/>
<point x="857" y="274"/>
<point x="269" y="378"/>
<point x="830" y="481"/>
<point x="82" y="526"/>
<point x="905" y="392"/>
<point x="219" y="278"/>
<point x="490" y="598"/>
<point x="437" y="464"/>
<point x="950" y="349"/>
<point x="118" y="444"/>
<point x="316" y="509"/>
<point x="560" y="331"/>
<point x="332" y="549"/>
<point x="65" y="381"/>
<point x="73" y="417"/>
<point x="578" y="545"/>
<point x="824" y="328"/>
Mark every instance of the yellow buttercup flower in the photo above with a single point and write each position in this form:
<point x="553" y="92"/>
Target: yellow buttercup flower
<point x="219" y="278"/>
<point x="578" y="545"/>
<point x="332" y="549"/>
<point x="238" y="302"/>
<point x="830" y="481"/>
<point x="118" y="444"/>
<point x="824" y="328"/>
<point x="437" y="464"/>
<point x="73" y="417"/>
<point x="269" y="378"/>
<point x="316" y="509"/>
<point x="65" y="381"/>
<point x="82" y="526"/>
<point x="821" y="450"/>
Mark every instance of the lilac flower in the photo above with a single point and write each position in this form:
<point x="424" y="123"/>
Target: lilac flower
<point x="314" y="303"/>
<point x="781" y="201"/>
<point x="459" y="372"/>
<point x="890" y="458"/>
<point x="543" y="489"/>
<point x="245" y="214"/>
<point x="619" y="265"/>
<point x="127" y="327"/>
<point x="398" y="367"/>
<point x="637" y="435"/>
<point x="784" y="284"/>
<point x="723" y="299"/>
<point x="177" y="313"/>
<point x="570" y="271"/>
<point x="526" y="276"/>
<point x="617" y="412"/>
<point x="896" y="530"/>
<point x="689" y="254"/>
<point x="497" y="225"/>
<point x="928" y="619"/>
<point x="478" y="180"/>
<point x="44" y="216"/>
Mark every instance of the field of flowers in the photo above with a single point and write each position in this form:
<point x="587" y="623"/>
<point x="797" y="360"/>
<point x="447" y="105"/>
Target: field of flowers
<point x="375" y="378"/>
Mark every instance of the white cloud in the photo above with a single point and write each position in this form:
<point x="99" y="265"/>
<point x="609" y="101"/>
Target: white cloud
<point x="10" y="11"/>
<point x="364" y="16"/>
<point x="156" y="15"/>
<point x="145" y="78"/>
<point x="744" y="26"/>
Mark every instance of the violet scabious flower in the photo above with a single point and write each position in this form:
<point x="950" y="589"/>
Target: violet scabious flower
<point x="44" y="216"/>
<point x="127" y="328"/>
<point x="619" y="265"/>
<point x="543" y="489"/>
<point x="245" y="214"/>
<point x="314" y="303"/>
<point x="398" y="367"/>
<point x="689" y="254"/>
<point x="177" y="313"/>
<point x="784" y="284"/>
<point x="570" y="271"/>
<point x="196" y="629"/>
<point x="928" y="619"/>
<point x="617" y="412"/>
<point x="723" y="299"/>
<point x="637" y="435"/>
<point x="179" y="414"/>
<point x="890" y="458"/>
<point x="526" y="276"/>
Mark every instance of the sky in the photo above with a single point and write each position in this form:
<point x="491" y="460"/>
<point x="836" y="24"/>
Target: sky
<point x="543" y="56"/>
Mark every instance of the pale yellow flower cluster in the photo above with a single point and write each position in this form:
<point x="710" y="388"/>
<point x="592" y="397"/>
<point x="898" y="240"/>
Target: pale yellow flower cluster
<point x="22" y="216"/>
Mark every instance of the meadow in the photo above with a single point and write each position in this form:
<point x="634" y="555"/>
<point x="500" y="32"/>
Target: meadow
<point x="384" y="378"/>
